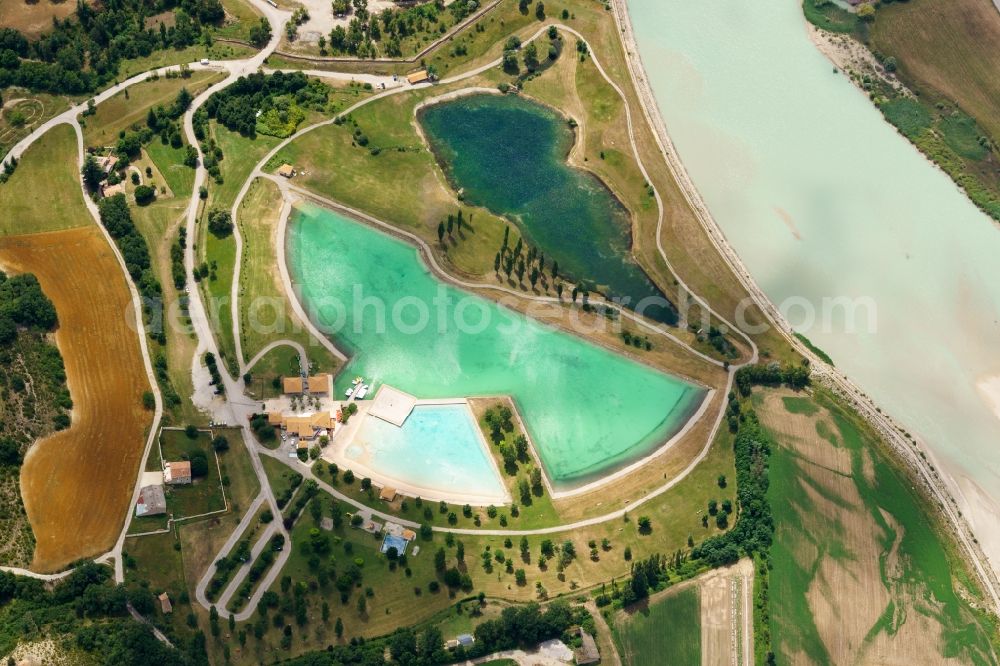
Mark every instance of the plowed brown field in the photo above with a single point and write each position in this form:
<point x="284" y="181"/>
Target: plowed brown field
<point x="77" y="484"/>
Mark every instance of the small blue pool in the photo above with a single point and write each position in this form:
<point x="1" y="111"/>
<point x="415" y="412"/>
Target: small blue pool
<point x="399" y="543"/>
<point x="438" y="448"/>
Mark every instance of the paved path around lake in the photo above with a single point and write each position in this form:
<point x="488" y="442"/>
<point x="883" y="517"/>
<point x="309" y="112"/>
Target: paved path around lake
<point x="236" y="412"/>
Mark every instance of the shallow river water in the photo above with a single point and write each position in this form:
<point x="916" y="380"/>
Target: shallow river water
<point x="823" y="200"/>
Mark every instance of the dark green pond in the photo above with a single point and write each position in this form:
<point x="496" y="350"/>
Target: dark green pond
<point x="508" y="154"/>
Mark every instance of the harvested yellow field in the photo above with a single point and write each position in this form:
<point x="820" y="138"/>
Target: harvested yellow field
<point x="33" y="18"/>
<point x="77" y="484"/>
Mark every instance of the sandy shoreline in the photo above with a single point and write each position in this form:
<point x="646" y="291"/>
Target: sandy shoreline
<point x="961" y="514"/>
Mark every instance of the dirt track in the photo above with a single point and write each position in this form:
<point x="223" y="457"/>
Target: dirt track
<point x="77" y="483"/>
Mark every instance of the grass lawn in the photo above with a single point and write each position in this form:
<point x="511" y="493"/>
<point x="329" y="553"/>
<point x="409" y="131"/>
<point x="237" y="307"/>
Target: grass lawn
<point x="156" y="560"/>
<point x="170" y="162"/>
<point x="944" y="49"/>
<point x="265" y="312"/>
<point x="281" y="477"/>
<point x="220" y="256"/>
<point x="20" y="118"/>
<point x="130" y="107"/>
<point x="143" y="524"/>
<point x="418" y="198"/>
<point x="272" y="366"/>
<point x="240" y="16"/>
<point x="463" y="618"/>
<point x="47" y="172"/>
<point x="238" y="476"/>
<point x="219" y="51"/>
<point x="668" y="632"/>
<point x="205" y="494"/>
<point x="239" y="157"/>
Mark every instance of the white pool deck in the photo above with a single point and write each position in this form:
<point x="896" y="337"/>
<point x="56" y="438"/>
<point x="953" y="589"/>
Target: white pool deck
<point x="336" y="451"/>
<point x="392" y="405"/>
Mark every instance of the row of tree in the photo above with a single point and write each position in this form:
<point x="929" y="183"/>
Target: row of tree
<point x="771" y="374"/>
<point x="512" y="261"/>
<point x="117" y="219"/>
<point x="82" y="53"/>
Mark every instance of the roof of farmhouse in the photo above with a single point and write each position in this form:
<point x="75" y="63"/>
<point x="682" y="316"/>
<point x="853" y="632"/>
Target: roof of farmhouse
<point x="418" y="77"/>
<point x="318" y="384"/>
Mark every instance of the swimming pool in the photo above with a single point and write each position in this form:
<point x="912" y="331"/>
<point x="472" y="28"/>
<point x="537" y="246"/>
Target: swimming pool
<point x="437" y="451"/>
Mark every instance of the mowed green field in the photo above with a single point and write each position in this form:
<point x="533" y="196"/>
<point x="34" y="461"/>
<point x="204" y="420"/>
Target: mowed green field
<point x="46" y="173"/>
<point x="948" y="48"/>
<point x="239" y="157"/>
<point x="860" y="572"/>
<point x="204" y="494"/>
<point x="418" y="198"/>
<point x="665" y="633"/>
<point x="130" y="106"/>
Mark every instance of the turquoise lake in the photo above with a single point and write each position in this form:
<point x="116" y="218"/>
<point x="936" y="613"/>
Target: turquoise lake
<point x="589" y="411"/>
<point x="823" y="199"/>
<point x="508" y="154"/>
<point x="438" y="447"/>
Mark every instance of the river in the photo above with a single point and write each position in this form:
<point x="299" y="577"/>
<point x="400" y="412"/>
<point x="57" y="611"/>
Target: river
<point x="823" y="200"/>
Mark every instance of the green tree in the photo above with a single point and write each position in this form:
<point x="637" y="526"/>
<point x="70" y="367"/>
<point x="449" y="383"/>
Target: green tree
<point x="440" y="559"/>
<point x="92" y="173"/>
<point x="531" y="56"/>
<point x="144" y="195"/>
<point x="260" y="34"/>
<point x="220" y="222"/>
<point x="645" y="525"/>
<point x="536" y="482"/>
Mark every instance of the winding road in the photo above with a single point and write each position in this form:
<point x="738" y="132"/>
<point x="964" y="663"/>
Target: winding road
<point x="231" y="410"/>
